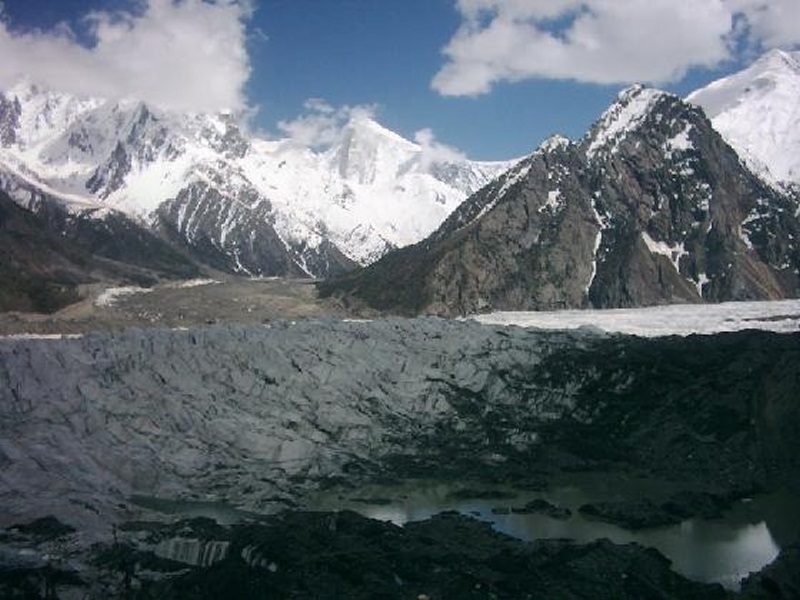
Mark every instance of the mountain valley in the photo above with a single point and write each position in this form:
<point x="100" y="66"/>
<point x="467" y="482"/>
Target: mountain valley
<point x="232" y="201"/>
<point x="650" y="207"/>
<point x="197" y="343"/>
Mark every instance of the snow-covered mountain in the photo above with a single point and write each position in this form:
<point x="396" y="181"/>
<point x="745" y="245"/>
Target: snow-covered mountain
<point x="757" y="111"/>
<point x="267" y="207"/>
<point x="650" y="207"/>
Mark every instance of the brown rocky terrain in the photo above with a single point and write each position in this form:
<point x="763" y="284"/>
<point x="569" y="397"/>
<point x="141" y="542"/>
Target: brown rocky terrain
<point x="651" y="207"/>
<point x="185" y="303"/>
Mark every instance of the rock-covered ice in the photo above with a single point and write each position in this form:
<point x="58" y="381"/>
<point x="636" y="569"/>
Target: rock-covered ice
<point x="229" y="412"/>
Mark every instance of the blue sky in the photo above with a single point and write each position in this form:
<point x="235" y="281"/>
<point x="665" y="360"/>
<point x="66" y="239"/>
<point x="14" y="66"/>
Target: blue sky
<point x="491" y="78"/>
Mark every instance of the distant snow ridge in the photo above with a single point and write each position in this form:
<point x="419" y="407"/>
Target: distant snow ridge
<point x="242" y="200"/>
<point x="757" y="111"/>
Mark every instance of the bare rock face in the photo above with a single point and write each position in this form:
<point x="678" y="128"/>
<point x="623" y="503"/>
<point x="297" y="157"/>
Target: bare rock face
<point x="650" y="207"/>
<point x="240" y="236"/>
<point x="10" y="111"/>
<point x="49" y="252"/>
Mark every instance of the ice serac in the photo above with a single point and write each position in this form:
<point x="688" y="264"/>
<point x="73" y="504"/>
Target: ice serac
<point x="650" y="207"/>
<point x="232" y="200"/>
<point x="757" y="112"/>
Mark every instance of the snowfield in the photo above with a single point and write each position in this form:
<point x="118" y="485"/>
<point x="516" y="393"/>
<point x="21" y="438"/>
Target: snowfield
<point x="677" y="319"/>
<point x="757" y="112"/>
<point x="366" y="192"/>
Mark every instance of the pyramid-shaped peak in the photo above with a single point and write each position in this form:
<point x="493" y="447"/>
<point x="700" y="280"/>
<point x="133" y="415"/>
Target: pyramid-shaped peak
<point x="363" y="126"/>
<point x="757" y="112"/>
<point x="630" y="110"/>
<point x="638" y="94"/>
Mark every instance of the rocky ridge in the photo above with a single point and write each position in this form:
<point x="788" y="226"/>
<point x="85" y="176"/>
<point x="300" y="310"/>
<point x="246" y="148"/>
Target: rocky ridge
<point x="650" y="207"/>
<point x="48" y="254"/>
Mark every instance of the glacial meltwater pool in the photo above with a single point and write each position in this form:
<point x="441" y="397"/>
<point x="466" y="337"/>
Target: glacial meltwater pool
<point x="724" y="550"/>
<point x="745" y="539"/>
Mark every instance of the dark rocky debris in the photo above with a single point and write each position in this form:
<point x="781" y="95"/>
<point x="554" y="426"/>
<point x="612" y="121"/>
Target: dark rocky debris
<point x="715" y="415"/>
<point x="630" y="514"/>
<point x="344" y="555"/>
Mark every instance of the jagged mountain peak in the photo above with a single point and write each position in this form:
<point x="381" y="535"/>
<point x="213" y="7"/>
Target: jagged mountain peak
<point x="50" y="111"/>
<point x="650" y="207"/>
<point x="368" y="152"/>
<point x="555" y="142"/>
<point x="364" y="126"/>
<point x="44" y="111"/>
<point x="555" y="153"/>
<point x="243" y="204"/>
<point x="779" y="62"/>
<point x="631" y="109"/>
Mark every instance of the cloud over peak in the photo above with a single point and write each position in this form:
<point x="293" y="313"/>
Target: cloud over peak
<point x="177" y="54"/>
<point x="605" y="41"/>
<point x="322" y="125"/>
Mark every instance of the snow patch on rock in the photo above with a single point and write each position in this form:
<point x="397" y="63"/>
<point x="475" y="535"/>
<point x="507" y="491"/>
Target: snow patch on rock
<point x="673" y="252"/>
<point x="632" y="107"/>
<point x="110" y="296"/>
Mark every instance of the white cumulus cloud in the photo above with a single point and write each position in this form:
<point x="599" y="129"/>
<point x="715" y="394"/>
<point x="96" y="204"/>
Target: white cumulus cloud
<point x="177" y="54"/>
<point x="434" y="151"/>
<point x="606" y="41"/>
<point x="323" y="125"/>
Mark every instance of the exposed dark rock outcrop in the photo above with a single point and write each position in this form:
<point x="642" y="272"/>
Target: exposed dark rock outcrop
<point x="47" y="527"/>
<point x="141" y="255"/>
<point x="48" y="255"/>
<point x="688" y="504"/>
<point x="10" y="111"/>
<point x="201" y="220"/>
<point x="630" y="514"/>
<point x="651" y="207"/>
<point x="343" y="555"/>
<point x="39" y="271"/>
<point x="48" y="252"/>
<point x="780" y="579"/>
<point x="543" y="507"/>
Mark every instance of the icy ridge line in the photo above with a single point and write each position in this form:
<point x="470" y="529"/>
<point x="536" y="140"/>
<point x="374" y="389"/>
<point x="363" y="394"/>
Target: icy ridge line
<point x="370" y="191"/>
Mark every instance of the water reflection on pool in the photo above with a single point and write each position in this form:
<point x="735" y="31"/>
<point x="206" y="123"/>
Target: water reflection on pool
<point x="721" y="550"/>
